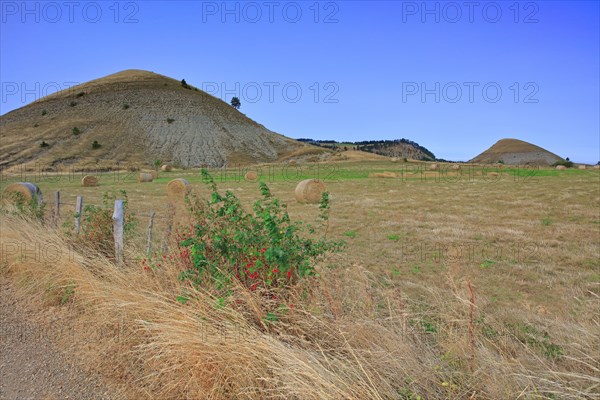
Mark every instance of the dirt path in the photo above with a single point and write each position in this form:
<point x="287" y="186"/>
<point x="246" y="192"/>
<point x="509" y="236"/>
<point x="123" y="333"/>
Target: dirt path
<point x="31" y="367"/>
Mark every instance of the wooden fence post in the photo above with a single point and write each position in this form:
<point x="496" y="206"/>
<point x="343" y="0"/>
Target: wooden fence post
<point x="78" y="212"/>
<point x="170" y="217"/>
<point x="118" y="231"/>
<point x="57" y="208"/>
<point x="149" y="244"/>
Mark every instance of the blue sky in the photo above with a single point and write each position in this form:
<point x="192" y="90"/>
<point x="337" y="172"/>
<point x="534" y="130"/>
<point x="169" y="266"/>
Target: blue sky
<point x="454" y="78"/>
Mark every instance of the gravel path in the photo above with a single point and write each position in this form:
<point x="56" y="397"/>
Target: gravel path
<point x="31" y="367"/>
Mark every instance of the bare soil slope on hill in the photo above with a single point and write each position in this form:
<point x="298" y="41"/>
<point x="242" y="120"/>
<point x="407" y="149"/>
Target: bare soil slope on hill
<point x="516" y="152"/>
<point x="136" y="117"/>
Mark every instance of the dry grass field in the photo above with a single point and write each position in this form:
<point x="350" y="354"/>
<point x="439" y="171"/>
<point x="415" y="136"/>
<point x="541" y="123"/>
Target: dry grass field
<point x="480" y="283"/>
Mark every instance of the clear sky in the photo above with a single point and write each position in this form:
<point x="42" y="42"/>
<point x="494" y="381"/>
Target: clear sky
<point x="453" y="76"/>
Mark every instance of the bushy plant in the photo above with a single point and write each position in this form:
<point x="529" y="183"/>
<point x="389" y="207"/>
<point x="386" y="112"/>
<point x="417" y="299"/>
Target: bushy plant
<point x="262" y="250"/>
<point x="96" y="145"/>
<point x="76" y="131"/>
<point x="567" y="163"/>
<point x="44" y="144"/>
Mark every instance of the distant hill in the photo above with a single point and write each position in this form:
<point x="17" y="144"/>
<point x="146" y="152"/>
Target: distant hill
<point x="136" y="117"/>
<point x="516" y="152"/>
<point x="401" y="148"/>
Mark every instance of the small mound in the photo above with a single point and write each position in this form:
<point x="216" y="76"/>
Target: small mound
<point x="309" y="191"/>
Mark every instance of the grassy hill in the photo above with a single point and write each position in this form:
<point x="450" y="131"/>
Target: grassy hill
<point x="136" y="117"/>
<point x="516" y="152"/>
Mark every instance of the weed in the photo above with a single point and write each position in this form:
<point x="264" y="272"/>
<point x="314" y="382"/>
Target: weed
<point x="350" y="234"/>
<point x="487" y="263"/>
<point x="547" y="221"/>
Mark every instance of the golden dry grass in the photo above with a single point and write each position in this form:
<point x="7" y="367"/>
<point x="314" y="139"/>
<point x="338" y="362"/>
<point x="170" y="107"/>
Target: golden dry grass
<point x="391" y="318"/>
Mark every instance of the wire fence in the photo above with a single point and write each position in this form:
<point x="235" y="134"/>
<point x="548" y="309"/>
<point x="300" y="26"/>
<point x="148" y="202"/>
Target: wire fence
<point x="77" y="210"/>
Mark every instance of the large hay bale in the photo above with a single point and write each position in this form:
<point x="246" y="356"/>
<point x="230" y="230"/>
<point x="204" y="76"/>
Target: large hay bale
<point x="145" y="177"/>
<point x="178" y="188"/>
<point x="153" y="173"/>
<point x="292" y="162"/>
<point x="561" y="167"/>
<point x="89" y="181"/>
<point x="385" y="174"/>
<point x="166" y="168"/>
<point x="25" y="190"/>
<point x="251" y="175"/>
<point x="309" y="191"/>
<point x="597" y="166"/>
<point x="395" y="159"/>
<point x="433" y="167"/>
<point x="582" y="167"/>
<point x="456" y="166"/>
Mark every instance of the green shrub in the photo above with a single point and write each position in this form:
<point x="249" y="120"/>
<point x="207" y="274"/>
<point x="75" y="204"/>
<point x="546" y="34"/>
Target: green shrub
<point x="73" y="103"/>
<point x="80" y="94"/>
<point x="76" y="131"/>
<point x="263" y="250"/>
<point x="44" y="144"/>
<point x="44" y="112"/>
<point x="170" y="120"/>
<point x="567" y="163"/>
<point x="125" y="106"/>
<point x="96" y="145"/>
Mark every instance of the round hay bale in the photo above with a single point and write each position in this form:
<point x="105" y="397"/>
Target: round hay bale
<point x="251" y="176"/>
<point x="597" y="166"/>
<point x="456" y="166"/>
<point x="561" y="167"/>
<point x="492" y="174"/>
<point x="309" y="191"/>
<point x="395" y="159"/>
<point x="153" y="173"/>
<point x="26" y="190"/>
<point x="145" y="177"/>
<point x="582" y="167"/>
<point x="178" y="188"/>
<point x="433" y="167"/>
<point x="89" y="181"/>
<point x="166" y="168"/>
<point x="292" y="162"/>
